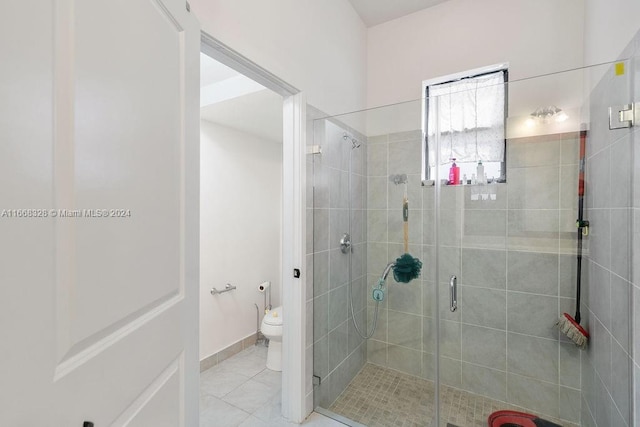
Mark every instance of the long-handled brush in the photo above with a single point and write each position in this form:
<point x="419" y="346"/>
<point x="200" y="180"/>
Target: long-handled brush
<point x="570" y="326"/>
<point x="406" y="267"/>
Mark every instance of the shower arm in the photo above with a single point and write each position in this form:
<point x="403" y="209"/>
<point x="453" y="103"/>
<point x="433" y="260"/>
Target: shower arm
<point x="386" y="271"/>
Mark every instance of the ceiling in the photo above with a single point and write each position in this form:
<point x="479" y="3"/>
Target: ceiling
<point x="374" y="12"/>
<point x="230" y="99"/>
<point x="258" y="114"/>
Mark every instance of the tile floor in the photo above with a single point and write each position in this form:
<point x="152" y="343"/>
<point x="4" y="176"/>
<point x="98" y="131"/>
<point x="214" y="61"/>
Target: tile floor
<point x="242" y="392"/>
<point x="380" y="397"/>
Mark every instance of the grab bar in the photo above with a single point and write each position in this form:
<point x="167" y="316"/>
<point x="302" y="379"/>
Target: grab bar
<point x="453" y="288"/>
<point x="227" y="288"/>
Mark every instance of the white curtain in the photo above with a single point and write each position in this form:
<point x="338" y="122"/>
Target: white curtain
<point x="470" y="119"/>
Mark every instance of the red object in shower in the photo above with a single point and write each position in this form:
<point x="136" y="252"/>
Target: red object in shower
<point x="511" y="418"/>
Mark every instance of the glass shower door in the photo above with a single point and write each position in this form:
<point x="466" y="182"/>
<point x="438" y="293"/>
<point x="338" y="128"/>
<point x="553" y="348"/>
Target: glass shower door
<point x="507" y="254"/>
<point x="476" y="332"/>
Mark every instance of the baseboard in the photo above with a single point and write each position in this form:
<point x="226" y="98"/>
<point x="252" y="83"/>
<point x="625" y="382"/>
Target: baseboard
<point x="225" y="353"/>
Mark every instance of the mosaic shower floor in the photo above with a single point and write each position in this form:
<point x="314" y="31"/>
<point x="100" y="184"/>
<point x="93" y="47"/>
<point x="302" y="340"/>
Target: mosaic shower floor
<point x="380" y="397"/>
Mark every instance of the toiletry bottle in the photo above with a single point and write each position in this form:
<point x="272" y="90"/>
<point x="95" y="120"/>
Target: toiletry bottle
<point x="464" y="179"/>
<point x="454" y="173"/>
<point x="480" y="173"/>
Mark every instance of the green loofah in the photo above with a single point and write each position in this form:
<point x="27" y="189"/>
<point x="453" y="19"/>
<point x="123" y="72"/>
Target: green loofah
<point x="406" y="269"/>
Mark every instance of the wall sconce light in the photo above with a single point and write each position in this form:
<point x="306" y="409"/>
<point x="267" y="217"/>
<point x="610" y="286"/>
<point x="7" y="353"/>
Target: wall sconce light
<point x="546" y="114"/>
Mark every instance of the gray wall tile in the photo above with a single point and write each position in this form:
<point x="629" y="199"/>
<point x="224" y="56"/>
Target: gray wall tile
<point x="405" y="330"/>
<point x="485" y="228"/>
<point x="338" y="189"/>
<point x="600" y="293"/>
<point x="620" y="226"/>
<point x="601" y="343"/>
<point x="377" y="225"/>
<point x="527" y="152"/>
<point x="450" y="339"/>
<point x="532" y="272"/>
<point x="338" y="306"/>
<point x="621" y="381"/>
<point x="321" y="357"/>
<point x="569" y="365"/>
<point x="377" y="352"/>
<point x="339" y="268"/>
<point x="320" y="273"/>
<point x="428" y="366"/>
<point x="483" y="346"/>
<point x="534" y="187"/>
<point x="570" y="148"/>
<point x="598" y="180"/>
<point x="451" y="372"/>
<point x="532" y="314"/>
<point x="321" y="316"/>
<point x="405" y="360"/>
<point x="406" y="297"/>
<point x="533" y="357"/>
<point x="483" y="307"/>
<point x="620" y="297"/>
<point x="486" y="268"/>
<point x="377" y="193"/>
<point x="531" y="393"/>
<point x="377" y="160"/>
<point x="405" y="157"/>
<point x="569" y="404"/>
<point x="537" y="230"/>
<point x="484" y="381"/>
<point x="338" y="345"/>
<point x="622" y="192"/>
<point x="320" y="230"/>
<point x="567" y="266"/>
<point x="380" y="334"/>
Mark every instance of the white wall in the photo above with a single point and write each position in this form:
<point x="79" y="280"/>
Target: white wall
<point x="534" y="37"/>
<point x="317" y="46"/>
<point x="609" y="27"/>
<point x="240" y="223"/>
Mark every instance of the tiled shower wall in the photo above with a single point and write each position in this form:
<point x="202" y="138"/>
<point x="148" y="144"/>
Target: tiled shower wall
<point x="515" y="264"/>
<point x="338" y="352"/>
<point x="612" y="203"/>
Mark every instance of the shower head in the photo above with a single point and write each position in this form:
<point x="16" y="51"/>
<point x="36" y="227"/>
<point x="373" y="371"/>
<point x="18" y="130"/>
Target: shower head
<point x="354" y="142"/>
<point x="398" y="178"/>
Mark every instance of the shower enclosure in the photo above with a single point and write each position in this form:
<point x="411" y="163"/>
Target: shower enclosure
<point x="475" y="332"/>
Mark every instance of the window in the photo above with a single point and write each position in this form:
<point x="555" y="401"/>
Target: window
<point x="468" y="114"/>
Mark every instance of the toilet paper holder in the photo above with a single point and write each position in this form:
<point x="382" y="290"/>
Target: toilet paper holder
<point x="265" y="288"/>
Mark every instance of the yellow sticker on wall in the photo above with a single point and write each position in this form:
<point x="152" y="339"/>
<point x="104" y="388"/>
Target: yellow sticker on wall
<point x="619" y="68"/>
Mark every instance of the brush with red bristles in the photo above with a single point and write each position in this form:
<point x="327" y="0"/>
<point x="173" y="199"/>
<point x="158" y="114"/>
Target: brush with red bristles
<point x="570" y="326"/>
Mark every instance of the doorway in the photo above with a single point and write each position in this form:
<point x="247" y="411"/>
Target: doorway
<point x="259" y="88"/>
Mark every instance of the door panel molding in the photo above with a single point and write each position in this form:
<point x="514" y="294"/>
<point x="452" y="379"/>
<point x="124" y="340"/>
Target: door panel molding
<point x="164" y="381"/>
<point x="85" y="350"/>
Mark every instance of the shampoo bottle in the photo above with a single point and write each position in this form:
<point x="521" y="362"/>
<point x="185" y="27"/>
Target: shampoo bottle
<point x="480" y="173"/>
<point x="454" y="174"/>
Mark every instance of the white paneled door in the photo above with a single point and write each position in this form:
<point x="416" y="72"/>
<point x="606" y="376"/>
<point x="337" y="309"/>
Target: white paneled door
<point x="99" y="129"/>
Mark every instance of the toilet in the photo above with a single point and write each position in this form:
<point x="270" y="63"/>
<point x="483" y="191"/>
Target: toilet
<point x="272" y="329"/>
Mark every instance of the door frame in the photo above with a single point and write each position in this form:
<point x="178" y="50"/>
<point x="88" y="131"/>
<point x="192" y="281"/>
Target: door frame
<point x="294" y="360"/>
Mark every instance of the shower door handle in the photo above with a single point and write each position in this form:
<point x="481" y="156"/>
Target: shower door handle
<point x="453" y="289"/>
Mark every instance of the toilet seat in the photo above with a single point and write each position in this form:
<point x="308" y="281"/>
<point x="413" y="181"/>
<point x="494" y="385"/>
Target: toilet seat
<point x="274" y="317"/>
